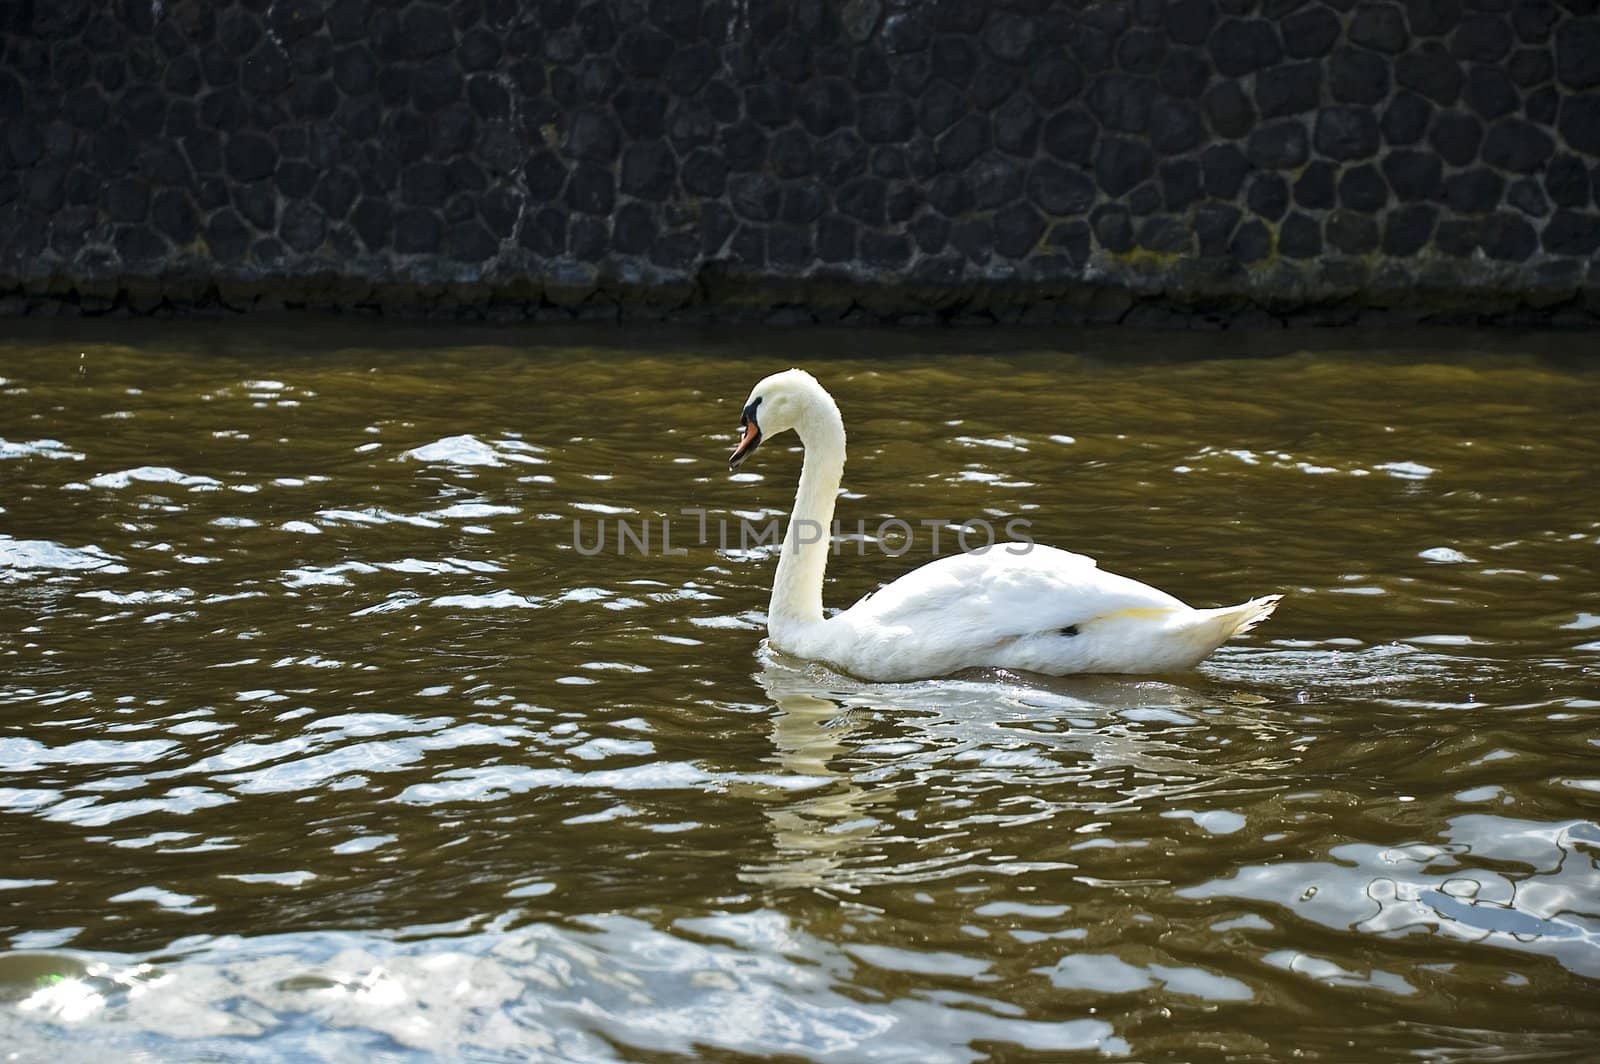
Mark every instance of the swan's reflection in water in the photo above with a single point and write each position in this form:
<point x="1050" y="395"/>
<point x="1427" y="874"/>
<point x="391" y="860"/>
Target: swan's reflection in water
<point x="813" y="833"/>
<point x="918" y="756"/>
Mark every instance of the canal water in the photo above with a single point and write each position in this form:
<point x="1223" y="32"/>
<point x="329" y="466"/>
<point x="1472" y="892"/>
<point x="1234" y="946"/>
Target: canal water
<point x="326" y="732"/>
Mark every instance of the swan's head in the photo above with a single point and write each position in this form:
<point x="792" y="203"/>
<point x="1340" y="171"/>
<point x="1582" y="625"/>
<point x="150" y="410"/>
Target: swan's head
<point x="783" y="401"/>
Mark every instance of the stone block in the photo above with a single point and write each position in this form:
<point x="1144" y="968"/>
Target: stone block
<point x="1346" y="133"/>
<point x="1279" y="146"/>
<point x="1362" y="188"/>
<point x="1432" y="72"/>
<point x="1059" y="190"/>
<point x="649" y="170"/>
<point x="1351" y="232"/>
<point x="1300" y="237"/>
<point x="1122" y="163"/>
<point x="1229" y="111"/>
<point x="1357" y="76"/>
<point x="1456" y="137"/>
<point x="1120" y="102"/>
<point x="1244" y="46"/>
<point x="1112" y="225"/>
<point x="302" y="226"/>
<point x="1070" y="136"/>
<point x="1251" y="243"/>
<point x="1579" y="122"/>
<point x="1224" y="167"/>
<point x="1293" y="88"/>
<point x="1267" y="196"/>
<point x="1574" y="233"/>
<point x="1381" y="27"/>
<point x="1310" y="32"/>
<point x="1518" y="146"/>
<point x="1408" y="229"/>
<point x="1413" y="175"/>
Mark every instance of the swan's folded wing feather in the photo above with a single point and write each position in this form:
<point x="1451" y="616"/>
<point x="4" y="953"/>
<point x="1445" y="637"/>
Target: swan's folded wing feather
<point x="998" y="595"/>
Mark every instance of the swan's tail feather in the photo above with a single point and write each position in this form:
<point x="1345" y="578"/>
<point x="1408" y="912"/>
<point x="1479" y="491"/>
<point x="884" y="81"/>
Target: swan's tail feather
<point x="1237" y="620"/>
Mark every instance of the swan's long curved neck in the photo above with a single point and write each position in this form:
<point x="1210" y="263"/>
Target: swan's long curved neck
<point x="797" y="587"/>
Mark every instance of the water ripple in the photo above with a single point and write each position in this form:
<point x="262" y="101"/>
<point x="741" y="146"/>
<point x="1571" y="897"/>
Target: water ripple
<point x="570" y="992"/>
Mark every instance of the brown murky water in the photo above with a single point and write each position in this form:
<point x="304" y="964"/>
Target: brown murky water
<point x="319" y="739"/>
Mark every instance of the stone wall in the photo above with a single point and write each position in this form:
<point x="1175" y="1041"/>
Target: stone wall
<point x="1166" y="161"/>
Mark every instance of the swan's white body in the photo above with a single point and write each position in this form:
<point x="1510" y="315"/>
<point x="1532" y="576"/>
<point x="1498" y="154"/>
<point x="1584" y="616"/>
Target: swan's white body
<point x="1017" y="606"/>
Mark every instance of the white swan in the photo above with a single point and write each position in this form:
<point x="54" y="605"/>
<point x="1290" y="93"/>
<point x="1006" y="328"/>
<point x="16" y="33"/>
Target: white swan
<point x="1042" y="609"/>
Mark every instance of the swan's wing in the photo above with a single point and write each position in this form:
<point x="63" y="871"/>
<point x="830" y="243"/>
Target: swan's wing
<point x="974" y="598"/>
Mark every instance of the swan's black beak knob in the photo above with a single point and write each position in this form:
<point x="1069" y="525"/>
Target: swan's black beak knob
<point x="751" y="438"/>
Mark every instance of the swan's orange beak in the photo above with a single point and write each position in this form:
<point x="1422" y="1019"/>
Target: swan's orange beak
<point x="750" y="441"/>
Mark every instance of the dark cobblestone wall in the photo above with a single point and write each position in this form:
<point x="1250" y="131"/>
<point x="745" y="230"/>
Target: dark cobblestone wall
<point x="1164" y="161"/>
